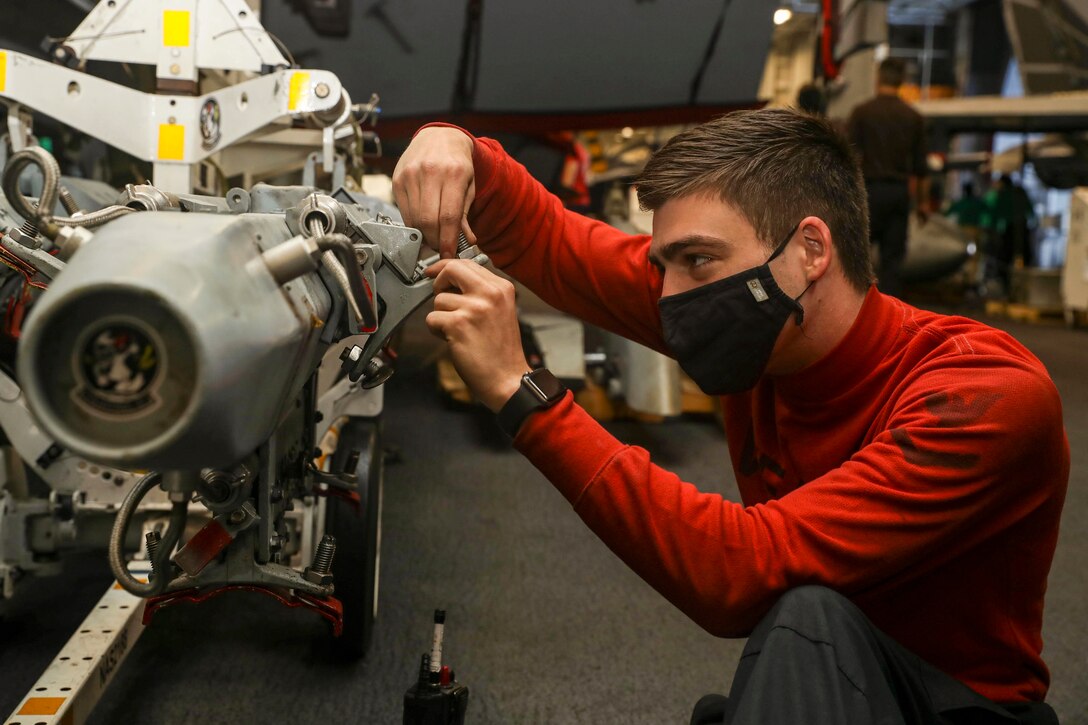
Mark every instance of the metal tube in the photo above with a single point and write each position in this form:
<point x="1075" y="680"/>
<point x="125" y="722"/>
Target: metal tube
<point x="317" y="230"/>
<point x="93" y="218"/>
<point x="160" y="564"/>
<point x="18" y="162"/>
<point x="341" y="246"/>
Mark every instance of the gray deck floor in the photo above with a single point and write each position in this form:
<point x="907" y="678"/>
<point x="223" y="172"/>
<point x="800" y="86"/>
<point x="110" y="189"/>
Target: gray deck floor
<point x="545" y="624"/>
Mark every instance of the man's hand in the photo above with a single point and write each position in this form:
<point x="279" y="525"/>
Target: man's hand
<point x="434" y="185"/>
<point x="474" y="312"/>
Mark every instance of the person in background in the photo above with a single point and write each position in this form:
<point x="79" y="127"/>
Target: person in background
<point x="889" y="136"/>
<point x="1011" y="219"/>
<point x="968" y="211"/>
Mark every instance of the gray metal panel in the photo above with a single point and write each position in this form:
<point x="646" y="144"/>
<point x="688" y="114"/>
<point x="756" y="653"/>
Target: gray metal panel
<point x="413" y="79"/>
<point x="568" y="55"/>
<point x="559" y="56"/>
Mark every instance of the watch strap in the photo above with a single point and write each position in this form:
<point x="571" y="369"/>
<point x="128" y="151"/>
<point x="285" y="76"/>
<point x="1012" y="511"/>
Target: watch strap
<point x="539" y="389"/>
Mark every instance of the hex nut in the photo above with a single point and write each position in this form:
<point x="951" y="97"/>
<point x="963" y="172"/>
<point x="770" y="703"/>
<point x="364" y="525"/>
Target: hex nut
<point x="313" y="577"/>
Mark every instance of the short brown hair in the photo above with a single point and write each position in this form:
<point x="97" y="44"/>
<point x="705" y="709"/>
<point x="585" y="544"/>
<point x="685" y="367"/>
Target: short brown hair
<point x="891" y="72"/>
<point x="775" y="166"/>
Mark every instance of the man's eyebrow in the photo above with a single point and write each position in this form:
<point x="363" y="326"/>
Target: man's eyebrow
<point x="675" y="248"/>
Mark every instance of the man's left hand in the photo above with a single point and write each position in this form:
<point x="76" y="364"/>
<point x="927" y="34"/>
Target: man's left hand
<point x="475" y="312"/>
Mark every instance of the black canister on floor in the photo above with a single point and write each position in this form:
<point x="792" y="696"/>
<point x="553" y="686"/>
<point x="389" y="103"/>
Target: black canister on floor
<point x="436" y="698"/>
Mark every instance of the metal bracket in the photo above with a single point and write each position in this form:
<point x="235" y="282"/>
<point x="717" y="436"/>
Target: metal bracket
<point x="173" y="131"/>
<point x="330" y="608"/>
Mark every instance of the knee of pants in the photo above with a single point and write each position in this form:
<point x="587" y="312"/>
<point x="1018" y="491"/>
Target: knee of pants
<point x="812" y="608"/>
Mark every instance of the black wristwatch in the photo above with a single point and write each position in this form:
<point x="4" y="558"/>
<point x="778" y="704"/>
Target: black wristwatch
<point x="539" y="389"/>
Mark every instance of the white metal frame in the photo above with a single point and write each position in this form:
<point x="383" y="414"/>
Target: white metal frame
<point x="74" y="681"/>
<point x="180" y="37"/>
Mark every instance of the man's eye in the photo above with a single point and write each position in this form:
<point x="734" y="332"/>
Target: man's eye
<point x="697" y="260"/>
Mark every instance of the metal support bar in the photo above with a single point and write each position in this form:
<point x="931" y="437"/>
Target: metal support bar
<point x="73" y="683"/>
<point x="168" y="130"/>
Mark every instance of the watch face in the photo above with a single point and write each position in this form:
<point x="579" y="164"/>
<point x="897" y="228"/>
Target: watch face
<point x="544" y="385"/>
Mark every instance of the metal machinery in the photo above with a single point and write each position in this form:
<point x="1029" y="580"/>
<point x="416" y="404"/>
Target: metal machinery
<point x="1074" y="282"/>
<point x="188" y="359"/>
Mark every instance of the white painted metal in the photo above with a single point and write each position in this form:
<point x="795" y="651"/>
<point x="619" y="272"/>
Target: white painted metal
<point x="99" y="487"/>
<point x="1073" y="106"/>
<point x="163" y="129"/>
<point x="72" y="684"/>
<point x="224" y="34"/>
<point x="1075" y="271"/>
<point x="132" y="121"/>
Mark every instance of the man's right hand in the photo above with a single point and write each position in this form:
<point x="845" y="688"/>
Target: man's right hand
<point x="434" y="185"/>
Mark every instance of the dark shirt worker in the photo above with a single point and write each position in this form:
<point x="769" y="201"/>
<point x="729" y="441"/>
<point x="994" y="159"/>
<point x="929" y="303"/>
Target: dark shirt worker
<point x="889" y="136"/>
<point x="902" y="472"/>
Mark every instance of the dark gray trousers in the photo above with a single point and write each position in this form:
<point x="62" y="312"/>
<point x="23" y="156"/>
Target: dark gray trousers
<point x="889" y="215"/>
<point x="815" y="658"/>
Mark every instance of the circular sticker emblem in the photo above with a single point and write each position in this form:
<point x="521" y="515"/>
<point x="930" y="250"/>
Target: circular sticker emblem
<point x="209" y="123"/>
<point x="119" y="367"/>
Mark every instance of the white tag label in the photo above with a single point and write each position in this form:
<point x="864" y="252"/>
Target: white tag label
<point x="757" y="290"/>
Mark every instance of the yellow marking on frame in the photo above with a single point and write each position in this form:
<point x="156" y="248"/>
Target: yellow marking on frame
<point x="3" y="71"/>
<point x="299" y="89"/>
<point x="41" y="706"/>
<point x="171" y="142"/>
<point x="142" y="580"/>
<point x="175" y="28"/>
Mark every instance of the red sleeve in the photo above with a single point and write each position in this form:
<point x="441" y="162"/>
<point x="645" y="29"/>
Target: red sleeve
<point x="578" y="265"/>
<point x="946" y="473"/>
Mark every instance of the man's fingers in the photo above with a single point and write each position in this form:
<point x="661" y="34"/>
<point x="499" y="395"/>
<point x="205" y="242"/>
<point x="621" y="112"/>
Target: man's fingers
<point x="464" y="276"/>
<point x="437" y="322"/>
<point x="452" y="210"/>
<point x="470" y="196"/>
<point x="429" y="204"/>
<point x="435" y="269"/>
<point x="448" y="301"/>
<point x="406" y="192"/>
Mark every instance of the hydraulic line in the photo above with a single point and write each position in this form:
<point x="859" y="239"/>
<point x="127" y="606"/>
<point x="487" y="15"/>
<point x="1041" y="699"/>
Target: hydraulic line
<point x="41" y="215"/>
<point x="329" y="259"/>
<point x="160" y="564"/>
<point x="355" y="289"/>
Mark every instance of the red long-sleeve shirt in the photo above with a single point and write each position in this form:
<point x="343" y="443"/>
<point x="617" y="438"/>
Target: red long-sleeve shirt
<point x="919" y="468"/>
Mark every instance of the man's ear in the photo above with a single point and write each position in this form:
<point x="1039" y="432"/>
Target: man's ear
<point x="819" y="250"/>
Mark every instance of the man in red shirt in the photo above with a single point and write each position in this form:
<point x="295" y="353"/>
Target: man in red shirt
<point x="902" y="472"/>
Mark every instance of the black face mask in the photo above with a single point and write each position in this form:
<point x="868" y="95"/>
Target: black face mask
<point x="722" y="333"/>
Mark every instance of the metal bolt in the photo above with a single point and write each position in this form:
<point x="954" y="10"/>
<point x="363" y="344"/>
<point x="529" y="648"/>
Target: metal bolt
<point x="68" y="201"/>
<point x="361" y="256"/>
<point x="353" y="461"/>
<point x="352" y="353"/>
<point x="175" y="69"/>
<point x="237" y="516"/>
<point x="321" y="90"/>
<point x="325" y="552"/>
<point x="152" y="540"/>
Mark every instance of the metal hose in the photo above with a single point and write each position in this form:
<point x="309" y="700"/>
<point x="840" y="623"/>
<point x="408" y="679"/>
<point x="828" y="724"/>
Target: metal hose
<point x="160" y="564"/>
<point x="341" y="246"/>
<point x="317" y="230"/>
<point x="93" y="218"/>
<point x="42" y="214"/>
<point x="18" y="162"/>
